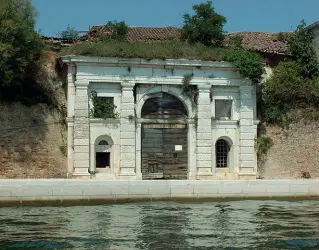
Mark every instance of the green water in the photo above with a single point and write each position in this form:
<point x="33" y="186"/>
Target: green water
<point x="164" y="225"/>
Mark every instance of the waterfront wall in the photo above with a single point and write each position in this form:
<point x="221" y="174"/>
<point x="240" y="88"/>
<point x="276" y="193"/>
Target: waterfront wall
<point x="294" y="152"/>
<point x="14" y="192"/>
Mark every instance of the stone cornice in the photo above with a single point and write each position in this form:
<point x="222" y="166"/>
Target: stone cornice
<point x="138" y="62"/>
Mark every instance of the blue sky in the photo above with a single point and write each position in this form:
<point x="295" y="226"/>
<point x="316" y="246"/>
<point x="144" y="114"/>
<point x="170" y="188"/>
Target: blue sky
<point x="242" y="15"/>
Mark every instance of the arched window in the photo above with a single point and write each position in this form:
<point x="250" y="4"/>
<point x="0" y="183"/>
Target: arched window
<point x="103" y="150"/>
<point x="222" y="149"/>
<point x="103" y="143"/>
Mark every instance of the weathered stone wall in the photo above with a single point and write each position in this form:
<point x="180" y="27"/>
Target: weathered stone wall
<point x="295" y="151"/>
<point x="30" y="139"/>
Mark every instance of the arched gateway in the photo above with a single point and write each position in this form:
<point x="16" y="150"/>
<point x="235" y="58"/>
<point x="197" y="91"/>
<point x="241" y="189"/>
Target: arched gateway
<point x="164" y="138"/>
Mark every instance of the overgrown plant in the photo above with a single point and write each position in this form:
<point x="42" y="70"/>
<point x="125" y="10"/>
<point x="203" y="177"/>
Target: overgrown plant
<point x="63" y="147"/>
<point x="249" y="64"/>
<point x="103" y="107"/>
<point x="262" y="145"/>
<point x="191" y="91"/>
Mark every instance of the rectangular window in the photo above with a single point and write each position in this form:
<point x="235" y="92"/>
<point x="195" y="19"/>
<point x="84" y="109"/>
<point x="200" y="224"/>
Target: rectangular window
<point x="104" y="107"/>
<point x="223" y="109"/>
<point x="102" y="160"/>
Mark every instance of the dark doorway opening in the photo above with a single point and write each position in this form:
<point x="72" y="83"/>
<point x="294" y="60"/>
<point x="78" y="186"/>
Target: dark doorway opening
<point x="102" y="160"/>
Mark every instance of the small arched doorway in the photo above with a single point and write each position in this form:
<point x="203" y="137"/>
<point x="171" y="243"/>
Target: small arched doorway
<point x="164" y="138"/>
<point x="103" y="153"/>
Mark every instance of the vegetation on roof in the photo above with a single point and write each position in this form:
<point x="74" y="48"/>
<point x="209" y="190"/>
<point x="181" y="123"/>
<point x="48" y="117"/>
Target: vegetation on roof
<point x="154" y="50"/>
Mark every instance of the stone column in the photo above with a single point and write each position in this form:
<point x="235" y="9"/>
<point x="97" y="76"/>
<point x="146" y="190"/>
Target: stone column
<point x="138" y="154"/>
<point x="191" y="152"/>
<point x="81" y="130"/>
<point x="70" y="146"/>
<point x="246" y="132"/>
<point x="204" y="131"/>
<point x="70" y="115"/>
<point x="128" y="132"/>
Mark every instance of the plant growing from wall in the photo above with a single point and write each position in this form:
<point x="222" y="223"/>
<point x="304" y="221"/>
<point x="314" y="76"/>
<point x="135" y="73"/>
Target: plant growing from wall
<point x="249" y="64"/>
<point x="103" y="107"/>
<point x="262" y="146"/>
<point x="63" y="146"/>
<point x="191" y="91"/>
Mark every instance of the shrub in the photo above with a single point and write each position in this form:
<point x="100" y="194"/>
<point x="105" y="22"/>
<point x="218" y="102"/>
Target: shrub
<point x="113" y="31"/>
<point x="69" y="33"/>
<point x="287" y="90"/>
<point x="249" y="64"/>
<point x="205" y="26"/>
<point x="102" y="107"/>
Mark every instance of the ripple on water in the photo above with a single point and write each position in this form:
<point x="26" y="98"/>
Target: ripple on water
<point x="164" y="225"/>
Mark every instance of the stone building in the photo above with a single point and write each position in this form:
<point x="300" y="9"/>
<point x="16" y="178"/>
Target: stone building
<point x="163" y="119"/>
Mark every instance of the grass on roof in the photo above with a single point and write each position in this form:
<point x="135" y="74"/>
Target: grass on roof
<point x="154" y="50"/>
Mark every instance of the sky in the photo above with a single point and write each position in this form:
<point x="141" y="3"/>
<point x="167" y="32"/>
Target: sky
<point x="242" y="15"/>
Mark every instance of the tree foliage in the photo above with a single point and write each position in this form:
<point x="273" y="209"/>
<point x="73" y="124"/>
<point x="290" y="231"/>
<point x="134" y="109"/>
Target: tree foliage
<point x="114" y="31"/>
<point x="294" y="84"/>
<point x="205" y="26"/>
<point x="20" y="46"/>
<point x="69" y="33"/>
<point x="303" y="52"/>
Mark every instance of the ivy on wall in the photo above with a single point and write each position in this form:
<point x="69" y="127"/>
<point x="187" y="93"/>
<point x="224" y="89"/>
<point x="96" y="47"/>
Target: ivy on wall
<point x="103" y="107"/>
<point x="191" y="91"/>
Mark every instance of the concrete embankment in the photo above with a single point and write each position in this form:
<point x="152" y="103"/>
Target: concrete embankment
<point x="55" y="192"/>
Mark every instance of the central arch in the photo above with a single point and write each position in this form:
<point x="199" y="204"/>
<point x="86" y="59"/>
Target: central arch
<point x="164" y="152"/>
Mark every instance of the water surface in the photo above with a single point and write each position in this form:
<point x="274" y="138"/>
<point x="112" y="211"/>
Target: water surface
<point x="164" y="225"/>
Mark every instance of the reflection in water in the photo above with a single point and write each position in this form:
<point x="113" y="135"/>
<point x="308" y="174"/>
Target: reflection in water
<point x="164" y="225"/>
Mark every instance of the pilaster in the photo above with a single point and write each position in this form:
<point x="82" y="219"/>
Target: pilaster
<point x="247" y="132"/>
<point x="191" y="152"/>
<point x="204" y="131"/>
<point x="81" y="130"/>
<point x="128" y="143"/>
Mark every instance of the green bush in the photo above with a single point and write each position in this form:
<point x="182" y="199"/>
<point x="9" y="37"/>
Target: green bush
<point x="69" y="33"/>
<point x="20" y="48"/>
<point x="287" y="90"/>
<point x="102" y="107"/>
<point x="249" y="64"/>
<point x="294" y="84"/>
<point x="205" y="26"/>
<point x="113" y="31"/>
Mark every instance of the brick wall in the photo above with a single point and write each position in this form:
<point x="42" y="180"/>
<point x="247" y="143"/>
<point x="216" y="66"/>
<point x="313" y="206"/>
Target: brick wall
<point x="293" y="152"/>
<point x="30" y="139"/>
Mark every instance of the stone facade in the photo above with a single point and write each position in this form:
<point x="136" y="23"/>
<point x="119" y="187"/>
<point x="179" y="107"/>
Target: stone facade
<point x="223" y="112"/>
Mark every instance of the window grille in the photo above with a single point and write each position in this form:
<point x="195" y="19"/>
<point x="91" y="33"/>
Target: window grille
<point x="221" y="154"/>
<point x="223" y="109"/>
<point x="103" y="143"/>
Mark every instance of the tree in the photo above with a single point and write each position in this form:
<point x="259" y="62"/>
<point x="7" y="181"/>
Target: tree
<point x="69" y="33"/>
<point x="20" y="45"/>
<point x="205" y="27"/>
<point x="114" y="31"/>
<point x="300" y="46"/>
